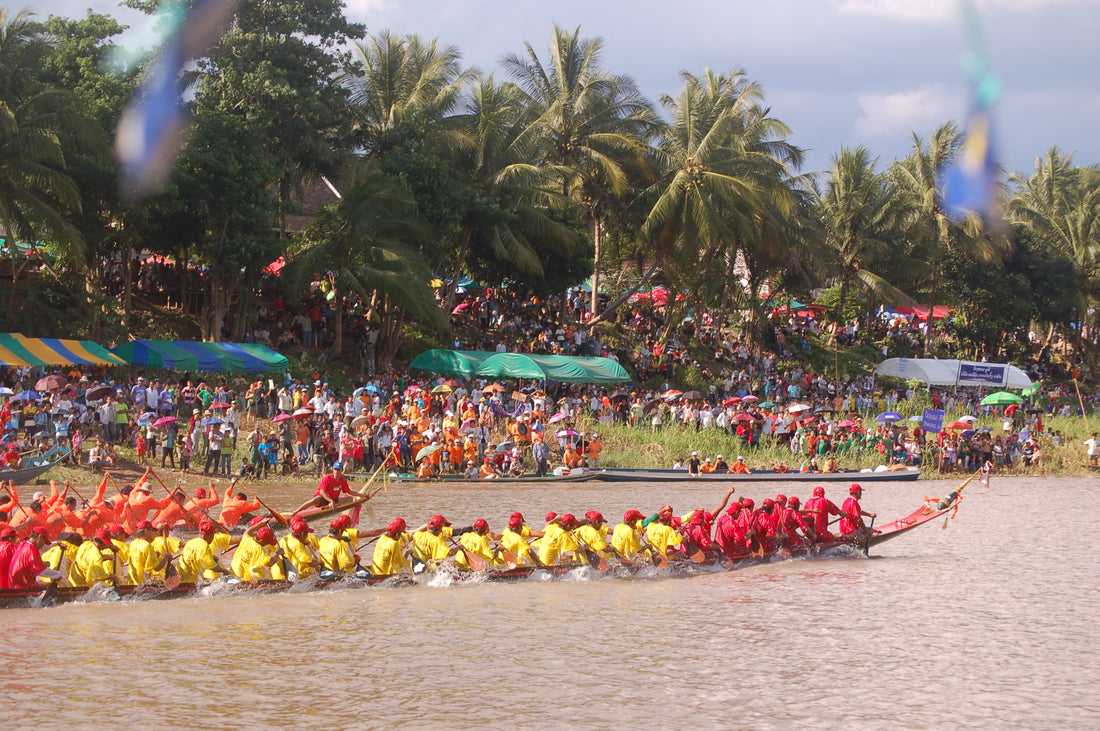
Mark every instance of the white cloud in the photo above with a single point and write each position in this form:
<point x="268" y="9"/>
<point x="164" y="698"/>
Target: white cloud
<point x="929" y="10"/>
<point x="918" y="109"/>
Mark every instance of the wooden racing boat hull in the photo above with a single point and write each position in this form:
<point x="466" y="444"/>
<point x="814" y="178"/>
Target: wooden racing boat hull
<point x="38" y="466"/>
<point x="579" y="477"/>
<point x="643" y="475"/>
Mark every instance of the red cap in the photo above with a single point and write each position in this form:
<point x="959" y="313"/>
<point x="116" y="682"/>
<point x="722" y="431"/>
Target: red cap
<point x="595" y="516"/>
<point x="396" y="526"/>
<point x="568" y="520"/>
<point x="438" y="521"/>
<point x="781" y="499"/>
<point x="266" y="535"/>
<point x="550" y="516"/>
<point x="819" y="491"/>
<point x="39" y="531"/>
<point x="733" y="509"/>
<point x="342" y="522"/>
<point x="206" y="526"/>
<point x="103" y="536"/>
<point x="665" y="510"/>
<point x="855" y="488"/>
<point x="515" y="520"/>
<point x="631" y="515"/>
<point x="200" y="492"/>
<point x="143" y="525"/>
<point x="768" y="501"/>
<point x="256" y="521"/>
<point x="748" y="503"/>
<point x="297" y="525"/>
<point x="7" y="532"/>
<point x="481" y="525"/>
<point x="793" y="500"/>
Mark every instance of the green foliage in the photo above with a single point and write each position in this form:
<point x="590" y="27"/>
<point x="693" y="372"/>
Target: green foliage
<point x="854" y="307"/>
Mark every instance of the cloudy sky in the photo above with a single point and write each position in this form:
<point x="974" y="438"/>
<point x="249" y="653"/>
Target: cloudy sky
<point x="838" y="72"/>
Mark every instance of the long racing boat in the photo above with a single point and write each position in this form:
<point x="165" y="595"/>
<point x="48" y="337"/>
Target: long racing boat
<point x="649" y="475"/>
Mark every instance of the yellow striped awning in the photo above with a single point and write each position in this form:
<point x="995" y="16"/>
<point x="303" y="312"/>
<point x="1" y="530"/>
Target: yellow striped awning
<point x="56" y="351"/>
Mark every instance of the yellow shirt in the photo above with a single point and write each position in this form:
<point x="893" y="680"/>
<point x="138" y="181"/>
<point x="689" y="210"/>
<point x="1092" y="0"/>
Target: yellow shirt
<point x="389" y="555"/>
<point x="626" y="541"/>
<point x="91" y="565"/>
<point x="163" y="545"/>
<point x="477" y="544"/>
<point x="251" y="558"/>
<point x="592" y="538"/>
<point x="300" y="554"/>
<point x="661" y="536"/>
<point x="60" y="558"/>
<point x="338" y="552"/>
<point x="428" y="546"/>
<point x="197" y="556"/>
<point x="554" y="543"/>
<point x="516" y="543"/>
<point x="143" y="560"/>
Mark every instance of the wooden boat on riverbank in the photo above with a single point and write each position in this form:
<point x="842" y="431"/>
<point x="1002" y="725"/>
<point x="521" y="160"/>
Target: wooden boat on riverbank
<point x="574" y="476"/>
<point x="35" y="466"/>
<point x="646" y="475"/>
<point x="929" y="511"/>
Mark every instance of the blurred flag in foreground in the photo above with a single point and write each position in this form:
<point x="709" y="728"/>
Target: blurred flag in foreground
<point x="151" y="129"/>
<point x="968" y="184"/>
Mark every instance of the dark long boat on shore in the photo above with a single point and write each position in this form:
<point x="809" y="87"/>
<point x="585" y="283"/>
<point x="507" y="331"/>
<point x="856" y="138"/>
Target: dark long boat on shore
<point x="575" y="476"/>
<point x="927" y="512"/>
<point x="35" y="466"/>
<point x="649" y="475"/>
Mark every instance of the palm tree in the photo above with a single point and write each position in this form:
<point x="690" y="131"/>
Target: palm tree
<point x="509" y="199"/>
<point x="366" y="242"/>
<point x="857" y="218"/>
<point x="1060" y="204"/>
<point x="593" y="124"/>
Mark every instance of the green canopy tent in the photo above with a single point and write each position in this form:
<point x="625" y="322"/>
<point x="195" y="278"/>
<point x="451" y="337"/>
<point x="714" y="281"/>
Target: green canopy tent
<point x="200" y="357"/>
<point x="532" y="366"/>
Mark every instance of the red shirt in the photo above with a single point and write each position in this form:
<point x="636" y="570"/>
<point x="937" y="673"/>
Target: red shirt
<point x="792" y="522"/>
<point x="7" y="549"/>
<point x="852" y="518"/>
<point x="825" y="508"/>
<point x="26" y="563"/>
<point x="332" y="486"/>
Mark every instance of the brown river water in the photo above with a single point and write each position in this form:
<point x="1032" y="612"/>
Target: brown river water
<point x="990" y="623"/>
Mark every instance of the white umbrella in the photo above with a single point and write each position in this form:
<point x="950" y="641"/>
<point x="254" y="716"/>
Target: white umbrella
<point x="968" y="419"/>
<point x="797" y="408"/>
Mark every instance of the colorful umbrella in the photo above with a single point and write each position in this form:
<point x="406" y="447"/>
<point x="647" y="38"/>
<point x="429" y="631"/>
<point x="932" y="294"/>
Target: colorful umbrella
<point x="165" y="420"/>
<point x="889" y="416"/>
<point x="360" y="420"/>
<point x="750" y="399"/>
<point x="303" y="413"/>
<point x="731" y="401"/>
<point x="767" y="405"/>
<point x="557" y="417"/>
<point x="743" y="417"/>
<point x="968" y="418"/>
<point x="219" y="405"/>
<point x="671" y="394"/>
<point x="147" y="418"/>
<point x="51" y="382"/>
<point x="428" y="450"/>
<point x="505" y="445"/>
<point x="800" y="407"/>
<point x="566" y="433"/>
<point x="97" y="393"/>
<point x="460" y="308"/>
<point x="493" y="387"/>
<point x="846" y="422"/>
<point x="1001" y="398"/>
<point x="5" y="391"/>
<point x="282" y="417"/>
<point x="442" y="388"/>
<point x="212" y="420"/>
<point x="27" y="396"/>
<point x="451" y="382"/>
<point x="957" y="425"/>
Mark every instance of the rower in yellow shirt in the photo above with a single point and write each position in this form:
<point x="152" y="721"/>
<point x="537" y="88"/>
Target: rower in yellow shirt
<point x="338" y="548"/>
<point x="389" y="553"/>
<point x="256" y="555"/>
<point x="660" y="534"/>
<point x="558" y="542"/>
<point x="94" y="561"/>
<point x="164" y="544"/>
<point x="430" y="543"/>
<point x="627" y="537"/>
<point x="61" y="555"/>
<point x="515" y="539"/>
<point x="144" y="559"/>
<point x="476" y="542"/>
<point x="199" y="556"/>
<point x="299" y="552"/>
<point x="592" y="537"/>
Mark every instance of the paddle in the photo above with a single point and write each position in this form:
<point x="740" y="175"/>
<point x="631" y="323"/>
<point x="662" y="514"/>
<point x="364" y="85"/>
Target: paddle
<point x="476" y="563"/>
<point x="594" y="559"/>
<point x="274" y="513"/>
<point x="186" y="513"/>
<point x="659" y="559"/>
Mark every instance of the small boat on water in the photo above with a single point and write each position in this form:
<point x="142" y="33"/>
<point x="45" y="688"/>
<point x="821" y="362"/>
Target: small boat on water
<point x="647" y="475"/>
<point x="927" y="512"/>
<point x="35" y="466"/>
<point x="574" y="476"/>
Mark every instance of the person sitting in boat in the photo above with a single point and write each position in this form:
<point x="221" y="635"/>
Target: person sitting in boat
<point x="727" y="533"/>
<point x="390" y="553"/>
<point x="739" y="467"/>
<point x="11" y="459"/>
<point x="694" y="464"/>
<point x="707" y="467"/>
<point x="570" y="460"/>
<point x="26" y="561"/>
<point x="821" y="508"/>
<point x="557" y="541"/>
<point x="679" y="464"/>
<point x="471" y="472"/>
<point x="720" y="464"/>
<point x="476" y="541"/>
<point x="430" y="542"/>
<point x="515" y="539"/>
<point x="791" y="523"/>
<point x="337" y="549"/>
<point x="518" y="467"/>
<point x="426" y="470"/>
<point x="851" y="519"/>
<point x="488" y="470"/>
<point x="330" y="489"/>
<point x="300" y="550"/>
<point x="256" y="554"/>
<point x="830" y="465"/>
<point x="661" y="536"/>
<point x="781" y="467"/>
<point x="626" y="539"/>
<point x="94" y="561"/>
<point x="199" y="556"/>
<point x="591" y="534"/>
<point x="61" y="555"/>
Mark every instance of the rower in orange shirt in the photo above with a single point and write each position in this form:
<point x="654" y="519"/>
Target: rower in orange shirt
<point x="739" y="467"/>
<point x="426" y="470"/>
<point x="235" y="507"/>
<point x="141" y="504"/>
<point x="174" y="513"/>
<point x="200" y="503"/>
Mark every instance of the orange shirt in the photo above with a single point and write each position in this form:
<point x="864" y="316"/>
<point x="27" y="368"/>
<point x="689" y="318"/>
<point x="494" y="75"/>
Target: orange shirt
<point x="739" y="468"/>
<point x="174" y="514"/>
<point x="233" y="508"/>
<point x="570" y="459"/>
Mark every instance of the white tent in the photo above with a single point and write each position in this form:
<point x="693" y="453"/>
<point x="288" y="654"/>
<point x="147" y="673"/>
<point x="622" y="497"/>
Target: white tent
<point x="937" y="372"/>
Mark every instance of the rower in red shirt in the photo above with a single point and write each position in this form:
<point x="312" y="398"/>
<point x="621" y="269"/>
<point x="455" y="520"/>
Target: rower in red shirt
<point x="329" y="490"/>
<point x="26" y="561"/>
<point x="727" y="533"/>
<point x="7" y="550"/>
<point x="791" y="523"/>
<point x="821" y="508"/>
<point x="852" y="514"/>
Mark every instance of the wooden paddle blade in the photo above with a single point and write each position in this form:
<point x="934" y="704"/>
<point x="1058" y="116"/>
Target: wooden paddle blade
<point x="477" y="563"/>
<point x="602" y="565"/>
<point x="699" y="556"/>
<point x="172" y="582"/>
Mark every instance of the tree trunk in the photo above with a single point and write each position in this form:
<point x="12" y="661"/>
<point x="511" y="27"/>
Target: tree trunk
<point x="596" y="231"/>
<point x="338" y="346"/>
<point x="931" y="314"/>
<point x="127" y="292"/>
<point x="449" y="301"/>
<point x="219" y="295"/>
<point x="182" y="266"/>
<point x="612" y="306"/>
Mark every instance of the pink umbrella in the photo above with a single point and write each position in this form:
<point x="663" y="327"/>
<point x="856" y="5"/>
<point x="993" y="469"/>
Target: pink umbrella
<point x="165" y="420"/>
<point x="467" y="424"/>
<point x="566" y="433"/>
<point x="557" y="417"/>
<point x="750" y="399"/>
<point x="846" y="422"/>
<point x="460" y="308"/>
<point x="743" y="417"/>
<point x="219" y="405"/>
<point x="282" y="417"/>
<point x="731" y="401"/>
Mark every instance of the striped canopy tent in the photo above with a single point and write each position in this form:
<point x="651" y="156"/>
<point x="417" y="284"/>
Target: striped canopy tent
<point x="17" y="349"/>
<point x="184" y="355"/>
